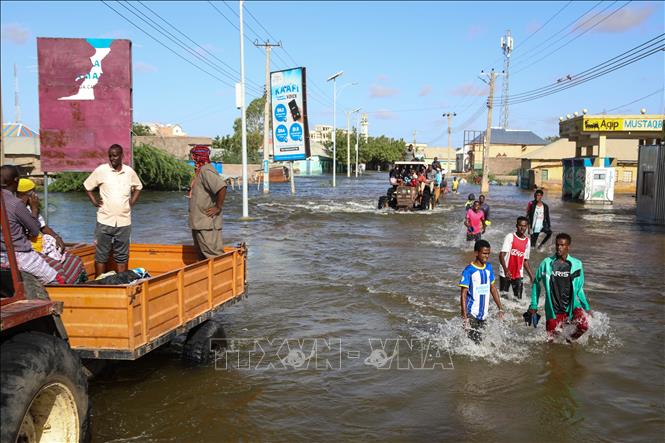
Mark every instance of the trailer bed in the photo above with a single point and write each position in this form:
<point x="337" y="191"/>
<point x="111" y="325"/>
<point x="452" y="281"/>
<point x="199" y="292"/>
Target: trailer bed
<point x="127" y="321"/>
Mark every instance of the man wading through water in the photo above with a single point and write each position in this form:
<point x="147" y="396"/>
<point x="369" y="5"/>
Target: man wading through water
<point x="206" y="200"/>
<point x="514" y="258"/>
<point x="538" y="214"/>
<point x="565" y="303"/>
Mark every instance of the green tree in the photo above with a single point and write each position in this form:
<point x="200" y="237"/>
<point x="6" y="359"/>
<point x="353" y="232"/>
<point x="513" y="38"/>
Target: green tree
<point x="231" y="145"/>
<point x="139" y="129"/>
<point x="376" y="151"/>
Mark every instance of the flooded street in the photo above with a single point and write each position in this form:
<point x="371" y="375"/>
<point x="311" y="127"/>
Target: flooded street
<point x="325" y="265"/>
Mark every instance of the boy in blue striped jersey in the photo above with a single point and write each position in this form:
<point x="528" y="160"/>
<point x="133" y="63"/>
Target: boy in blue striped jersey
<point x="477" y="285"/>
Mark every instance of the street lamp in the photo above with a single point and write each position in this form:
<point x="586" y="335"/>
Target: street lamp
<point x="348" y="141"/>
<point x="357" y="111"/>
<point x="450" y="116"/>
<point x="334" y="80"/>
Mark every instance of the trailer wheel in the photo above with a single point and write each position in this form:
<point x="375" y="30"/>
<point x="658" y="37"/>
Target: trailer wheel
<point x="201" y="342"/>
<point x="44" y="393"/>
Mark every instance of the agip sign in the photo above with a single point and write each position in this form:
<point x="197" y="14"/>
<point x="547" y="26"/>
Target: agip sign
<point x="610" y="124"/>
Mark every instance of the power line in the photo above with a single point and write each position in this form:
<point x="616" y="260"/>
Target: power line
<point x="599" y="74"/>
<point x="563" y="29"/>
<point x="638" y="52"/>
<point x="546" y="23"/>
<point x="575" y="38"/>
<point x="634" y="101"/>
<point x="225" y="82"/>
<point x="166" y="33"/>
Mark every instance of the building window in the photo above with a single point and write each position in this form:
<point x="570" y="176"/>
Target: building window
<point x="627" y="176"/>
<point x="544" y="175"/>
<point x="648" y="184"/>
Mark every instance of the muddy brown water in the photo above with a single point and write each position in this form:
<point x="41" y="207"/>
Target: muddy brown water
<point x="337" y="288"/>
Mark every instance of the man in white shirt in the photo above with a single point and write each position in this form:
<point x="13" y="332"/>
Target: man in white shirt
<point x="119" y="189"/>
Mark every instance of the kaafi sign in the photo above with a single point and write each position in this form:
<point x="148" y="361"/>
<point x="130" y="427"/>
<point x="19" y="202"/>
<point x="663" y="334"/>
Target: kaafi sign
<point x="290" y="131"/>
<point x="85" y="101"/>
<point x="625" y="124"/>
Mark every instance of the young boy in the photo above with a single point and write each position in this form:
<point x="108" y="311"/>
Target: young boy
<point x="474" y="222"/>
<point x="477" y="285"/>
<point x="562" y="275"/>
<point x="516" y="247"/>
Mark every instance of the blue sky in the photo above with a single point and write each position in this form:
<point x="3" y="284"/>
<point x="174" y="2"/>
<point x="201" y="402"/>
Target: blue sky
<point x="413" y="60"/>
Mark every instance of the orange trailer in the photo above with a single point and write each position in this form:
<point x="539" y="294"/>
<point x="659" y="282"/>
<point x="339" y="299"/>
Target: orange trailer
<point x="127" y="321"/>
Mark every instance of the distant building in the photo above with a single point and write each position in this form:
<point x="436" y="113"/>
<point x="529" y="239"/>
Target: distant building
<point x="543" y="167"/>
<point x="511" y="143"/>
<point x="318" y="163"/>
<point x="166" y="130"/>
<point x="21" y="147"/>
<point x="446" y="156"/>
<point x="321" y="134"/>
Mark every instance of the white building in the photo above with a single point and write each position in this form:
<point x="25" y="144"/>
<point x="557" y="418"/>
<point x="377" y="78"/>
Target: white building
<point x="166" y="130"/>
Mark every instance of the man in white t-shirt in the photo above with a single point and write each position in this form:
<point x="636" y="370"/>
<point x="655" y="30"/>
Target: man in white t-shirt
<point x="514" y="258"/>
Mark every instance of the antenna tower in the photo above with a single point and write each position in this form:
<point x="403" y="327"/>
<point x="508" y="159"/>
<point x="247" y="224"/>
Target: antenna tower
<point x="17" y="107"/>
<point x="507" y="47"/>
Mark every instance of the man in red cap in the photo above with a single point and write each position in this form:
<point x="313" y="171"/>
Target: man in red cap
<point x="207" y="193"/>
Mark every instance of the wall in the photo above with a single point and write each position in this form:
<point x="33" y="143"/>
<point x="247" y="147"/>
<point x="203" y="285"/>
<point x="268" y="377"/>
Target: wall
<point x="554" y="179"/>
<point x="510" y="151"/>
<point x="503" y="165"/>
<point x="177" y="146"/>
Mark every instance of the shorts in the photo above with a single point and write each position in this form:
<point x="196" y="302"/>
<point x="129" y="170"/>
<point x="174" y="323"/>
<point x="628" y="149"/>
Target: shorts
<point x="580" y="321"/>
<point x="112" y="237"/>
<point x="475" y="326"/>
<point x="473" y="237"/>
<point x="516" y="283"/>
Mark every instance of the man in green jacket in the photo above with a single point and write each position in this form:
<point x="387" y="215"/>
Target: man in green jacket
<point x="565" y="302"/>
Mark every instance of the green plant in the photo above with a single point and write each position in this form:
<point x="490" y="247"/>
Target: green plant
<point x="158" y="170"/>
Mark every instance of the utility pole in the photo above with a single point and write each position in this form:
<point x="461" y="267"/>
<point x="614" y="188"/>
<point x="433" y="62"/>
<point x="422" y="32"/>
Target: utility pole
<point x="266" y="115"/>
<point x="450" y="116"/>
<point x="357" y="137"/>
<point x="485" y="184"/>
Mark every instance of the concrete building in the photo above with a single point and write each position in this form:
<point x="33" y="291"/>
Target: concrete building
<point x="447" y="156"/>
<point x="21" y="147"/>
<point x="511" y="143"/>
<point x="319" y="163"/>
<point x="166" y="130"/>
<point x="320" y="134"/>
<point x="177" y="146"/>
<point x="543" y="167"/>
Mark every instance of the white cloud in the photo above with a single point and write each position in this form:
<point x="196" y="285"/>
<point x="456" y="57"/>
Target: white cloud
<point x="475" y="31"/>
<point x="144" y="68"/>
<point x="382" y="91"/>
<point x="382" y="78"/>
<point x="466" y="89"/>
<point x="621" y="21"/>
<point x="15" y="33"/>
<point x="385" y="114"/>
<point x="425" y="90"/>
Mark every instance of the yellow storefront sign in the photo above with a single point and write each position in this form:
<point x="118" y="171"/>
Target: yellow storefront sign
<point x="602" y="124"/>
<point x="594" y="124"/>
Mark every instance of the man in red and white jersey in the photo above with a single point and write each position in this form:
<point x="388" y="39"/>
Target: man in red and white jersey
<point x="514" y="258"/>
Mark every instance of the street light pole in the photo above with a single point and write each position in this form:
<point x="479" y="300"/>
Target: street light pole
<point x="245" y="204"/>
<point x="333" y="78"/>
<point x="348" y="143"/>
<point x="357" y="111"/>
<point x="450" y="116"/>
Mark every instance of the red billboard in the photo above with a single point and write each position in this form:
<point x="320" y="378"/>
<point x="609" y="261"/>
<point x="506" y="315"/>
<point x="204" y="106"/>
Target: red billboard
<point x="85" y="101"/>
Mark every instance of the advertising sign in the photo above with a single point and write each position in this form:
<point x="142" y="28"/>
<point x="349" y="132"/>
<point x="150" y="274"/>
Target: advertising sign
<point x="623" y="124"/>
<point x="290" y="131"/>
<point x="85" y="101"/>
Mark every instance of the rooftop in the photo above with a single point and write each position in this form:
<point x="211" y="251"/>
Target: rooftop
<point x="520" y="137"/>
<point x="17" y="130"/>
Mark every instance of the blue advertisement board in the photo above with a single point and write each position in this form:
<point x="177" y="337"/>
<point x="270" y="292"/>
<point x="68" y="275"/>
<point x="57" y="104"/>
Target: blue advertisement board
<point x="290" y="132"/>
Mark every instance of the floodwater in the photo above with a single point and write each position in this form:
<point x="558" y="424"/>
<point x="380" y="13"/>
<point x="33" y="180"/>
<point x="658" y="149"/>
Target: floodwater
<point x="368" y="293"/>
